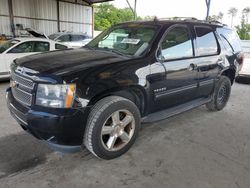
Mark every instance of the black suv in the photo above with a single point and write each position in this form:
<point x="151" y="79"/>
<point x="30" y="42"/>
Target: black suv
<point x="98" y="95"/>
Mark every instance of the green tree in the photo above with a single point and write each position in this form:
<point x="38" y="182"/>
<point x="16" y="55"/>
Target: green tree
<point x="107" y="15"/>
<point x="243" y="29"/>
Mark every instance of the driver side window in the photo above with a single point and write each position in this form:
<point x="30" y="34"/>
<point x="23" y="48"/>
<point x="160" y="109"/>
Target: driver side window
<point x="25" y="47"/>
<point x="177" y="44"/>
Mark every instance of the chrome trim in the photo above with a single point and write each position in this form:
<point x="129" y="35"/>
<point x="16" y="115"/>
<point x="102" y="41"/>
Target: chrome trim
<point x="19" y="118"/>
<point x="207" y="82"/>
<point x="176" y="90"/>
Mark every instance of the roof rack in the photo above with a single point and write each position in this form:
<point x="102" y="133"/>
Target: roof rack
<point x="190" y="19"/>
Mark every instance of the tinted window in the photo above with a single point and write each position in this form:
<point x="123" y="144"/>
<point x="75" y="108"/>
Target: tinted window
<point x="64" y="38"/>
<point x="230" y="37"/>
<point x="32" y="46"/>
<point x="77" y="37"/>
<point x="25" y="47"/>
<point x="177" y="44"/>
<point x="41" y="47"/>
<point x="206" y="42"/>
<point x="60" y="47"/>
<point x="6" y="45"/>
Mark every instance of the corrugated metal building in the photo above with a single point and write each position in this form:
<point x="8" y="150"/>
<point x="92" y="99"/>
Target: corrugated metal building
<point x="47" y="16"/>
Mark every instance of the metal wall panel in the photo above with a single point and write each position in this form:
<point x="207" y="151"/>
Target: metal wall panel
<point x="75" y="17"/>
<point x="83" y="28"/>
<point x="5" y="26"/>
<point x="43" y="26"/>
<point x="45" y="9"/>
<point x="4" y="8"/>
<point x="42" y="16"/>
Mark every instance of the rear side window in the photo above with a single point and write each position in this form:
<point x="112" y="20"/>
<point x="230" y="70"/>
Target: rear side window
<point x="60" y="47"/>
<point x="230" y="39"/>
<point x="41" y="47"/>
<point x="205" y="41"/>
<point x="177" y="44"/>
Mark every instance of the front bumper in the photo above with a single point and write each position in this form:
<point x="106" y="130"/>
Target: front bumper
<point x="59" y="127"/>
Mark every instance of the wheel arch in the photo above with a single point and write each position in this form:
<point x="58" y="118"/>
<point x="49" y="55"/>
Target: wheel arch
<point x="230" y="73"/>
<point x="136" y="94"/>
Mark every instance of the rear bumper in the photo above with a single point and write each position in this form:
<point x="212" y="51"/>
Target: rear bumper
<point x="58" y="127"/>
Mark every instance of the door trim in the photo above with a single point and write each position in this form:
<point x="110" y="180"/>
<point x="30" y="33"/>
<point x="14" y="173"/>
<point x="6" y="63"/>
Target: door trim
<point x="163" y="94"/>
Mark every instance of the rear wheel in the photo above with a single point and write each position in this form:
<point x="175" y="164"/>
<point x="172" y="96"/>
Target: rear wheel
<point x="220" y="95"/>
<point x="112" y="127"/>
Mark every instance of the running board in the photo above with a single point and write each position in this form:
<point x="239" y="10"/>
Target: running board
<point x="157" y="116"/>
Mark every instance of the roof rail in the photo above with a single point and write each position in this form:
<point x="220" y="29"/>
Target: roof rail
<point x="190" y="19"/>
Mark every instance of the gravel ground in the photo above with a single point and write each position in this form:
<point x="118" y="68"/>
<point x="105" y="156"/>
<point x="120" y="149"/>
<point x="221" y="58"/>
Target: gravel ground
<point x="197" y="149"/>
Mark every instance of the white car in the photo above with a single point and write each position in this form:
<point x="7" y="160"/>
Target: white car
<point x="73" y="40"/>
<point x="20" y="47"/>
<point x="244" y="73"/>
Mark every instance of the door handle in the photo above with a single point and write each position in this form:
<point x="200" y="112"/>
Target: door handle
<point x="192" y="67"/>
<point x="220" y="61"/>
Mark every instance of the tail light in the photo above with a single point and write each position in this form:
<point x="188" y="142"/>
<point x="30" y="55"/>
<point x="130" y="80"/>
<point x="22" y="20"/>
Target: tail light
<point x="240" y="60"/>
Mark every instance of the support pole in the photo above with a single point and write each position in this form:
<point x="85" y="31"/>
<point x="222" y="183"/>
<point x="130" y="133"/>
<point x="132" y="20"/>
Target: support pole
<point x="58" y="15"/>
<point x="133" y="9"/>
<point x="12" y="24"/>
<point x="208" y="2"/>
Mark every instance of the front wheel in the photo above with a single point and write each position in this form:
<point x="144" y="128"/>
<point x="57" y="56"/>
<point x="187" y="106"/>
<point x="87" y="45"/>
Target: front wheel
<point x="220" y="95"/>
<point x="112" y="127"/>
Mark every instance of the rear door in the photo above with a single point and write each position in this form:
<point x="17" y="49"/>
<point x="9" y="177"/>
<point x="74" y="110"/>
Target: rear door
<point x="207" y="58"/>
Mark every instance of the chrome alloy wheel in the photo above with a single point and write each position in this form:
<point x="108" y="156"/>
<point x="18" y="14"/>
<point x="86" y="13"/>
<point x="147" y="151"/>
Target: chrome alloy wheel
<point x="118" y="130"/>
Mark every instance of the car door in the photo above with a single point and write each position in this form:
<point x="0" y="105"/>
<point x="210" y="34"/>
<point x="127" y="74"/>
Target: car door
<point x="208" y="58"/>
<point x="25" y="49"/>
<point x="174" y="75"/>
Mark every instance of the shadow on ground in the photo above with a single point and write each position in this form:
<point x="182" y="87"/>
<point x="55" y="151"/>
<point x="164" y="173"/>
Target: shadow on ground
<point x="20" y="152"/>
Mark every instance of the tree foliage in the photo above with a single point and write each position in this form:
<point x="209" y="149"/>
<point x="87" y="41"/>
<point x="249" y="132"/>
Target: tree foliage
<point x="243" y="29"/>
<point x="107" y="15"/>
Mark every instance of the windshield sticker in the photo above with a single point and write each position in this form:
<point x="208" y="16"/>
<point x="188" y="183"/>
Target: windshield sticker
<point x="130" y="41"/>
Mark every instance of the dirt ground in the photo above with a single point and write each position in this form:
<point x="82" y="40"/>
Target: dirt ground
<point x="197" y="149"/>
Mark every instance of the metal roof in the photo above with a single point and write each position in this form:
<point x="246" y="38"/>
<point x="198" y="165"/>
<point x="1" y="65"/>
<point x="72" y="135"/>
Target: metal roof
<point x="96" y="1"/>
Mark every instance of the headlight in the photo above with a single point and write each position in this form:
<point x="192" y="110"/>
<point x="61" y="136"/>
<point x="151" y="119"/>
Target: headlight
<point x="56" y="96"/>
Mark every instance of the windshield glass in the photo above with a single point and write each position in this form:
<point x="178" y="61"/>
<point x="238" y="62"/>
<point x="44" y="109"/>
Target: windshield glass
<point x="7" y="45"/>
<point x="54" y="36"/>
<point x="125" y="40"/>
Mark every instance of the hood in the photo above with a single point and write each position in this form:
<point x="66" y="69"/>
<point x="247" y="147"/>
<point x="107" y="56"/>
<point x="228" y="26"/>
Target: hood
<point x="68" y="61"/>
<point x="35" y="33"/>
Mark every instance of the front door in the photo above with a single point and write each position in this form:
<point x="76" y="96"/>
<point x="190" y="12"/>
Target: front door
<point x="179" y="84"/>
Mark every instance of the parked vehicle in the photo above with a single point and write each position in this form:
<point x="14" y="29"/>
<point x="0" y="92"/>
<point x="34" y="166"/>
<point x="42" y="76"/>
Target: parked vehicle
<point x="98" y="95"/>
<point x="73" y="40"/>
<point x="20" y="47"/>
<point x="244" y="73"/>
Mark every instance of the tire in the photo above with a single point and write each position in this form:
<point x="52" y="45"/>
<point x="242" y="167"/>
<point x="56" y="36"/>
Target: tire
<point x="220" y="95"/>
<point x="112" y="127"/>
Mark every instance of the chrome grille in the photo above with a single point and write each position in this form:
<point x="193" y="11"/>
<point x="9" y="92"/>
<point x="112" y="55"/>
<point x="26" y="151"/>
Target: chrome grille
<point x="22" y="88"/>
<point x="22" y="81"/>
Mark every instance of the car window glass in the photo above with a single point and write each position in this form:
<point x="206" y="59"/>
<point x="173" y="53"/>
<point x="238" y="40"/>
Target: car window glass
<point x="206" y="41"/>
<point x="6" y="45"/>
<point x="231" y="37"/>
<point x="226" y="43"/>
<point x="60" y="47"/>
<point x="64" y="38"/>
<point x="76" y="38"/>
<point x="177" y="44"/>
<point x="25" y="47"/>
<point x="41" y="46"/>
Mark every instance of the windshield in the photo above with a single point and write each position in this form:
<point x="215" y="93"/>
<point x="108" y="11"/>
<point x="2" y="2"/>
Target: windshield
<point x="125" y="40"/>
<point x="7" y="45"/>
<point x="54" y="36"/>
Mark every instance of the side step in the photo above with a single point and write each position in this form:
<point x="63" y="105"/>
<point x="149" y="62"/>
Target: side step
<point x="157" y="116"/>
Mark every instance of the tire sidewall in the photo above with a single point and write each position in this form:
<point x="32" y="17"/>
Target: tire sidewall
<point x="96" y="141"/>
<point x="224" y="81"/>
